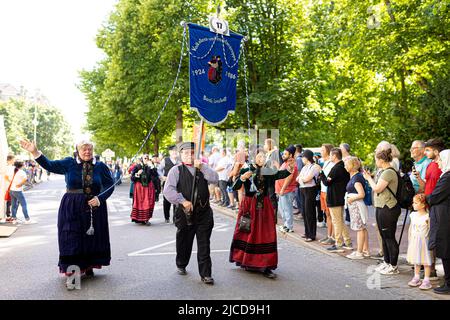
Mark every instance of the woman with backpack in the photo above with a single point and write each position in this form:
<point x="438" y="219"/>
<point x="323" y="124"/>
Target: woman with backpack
<point x="387" y="209"/>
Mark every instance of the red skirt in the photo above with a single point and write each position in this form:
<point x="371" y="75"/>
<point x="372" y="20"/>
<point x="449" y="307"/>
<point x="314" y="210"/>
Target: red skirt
<point x="143" y="202"/>
<point x="256" y="250"/>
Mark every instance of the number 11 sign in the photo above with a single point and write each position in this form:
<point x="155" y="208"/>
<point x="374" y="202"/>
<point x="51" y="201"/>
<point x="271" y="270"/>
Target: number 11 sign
<point x="219" y="26"/>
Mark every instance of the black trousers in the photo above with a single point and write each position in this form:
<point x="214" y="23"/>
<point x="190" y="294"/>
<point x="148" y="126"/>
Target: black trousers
<point x="387" y="226"/>
<point x="446" y="264"/>
<point x="166" y="206"/>
<point x="321" y="216"/>
<point x="310" y="218"/>
<point x="8" y="209"/>
<point x="201" y="229"/>
<point x="223" y="190"/>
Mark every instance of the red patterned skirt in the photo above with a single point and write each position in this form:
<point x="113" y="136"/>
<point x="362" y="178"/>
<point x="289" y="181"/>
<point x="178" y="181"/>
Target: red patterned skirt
<point x="256" y="250"/>
<point x="143" y="202"/>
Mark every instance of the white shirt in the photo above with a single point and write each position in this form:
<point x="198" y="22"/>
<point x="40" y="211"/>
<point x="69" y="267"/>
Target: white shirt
<point x="306" y="171"/>
<point x="227" y="163"/>
<point x="327" y="166"/>
<point x="214" y="159"/>
<point x="18" y="178"/>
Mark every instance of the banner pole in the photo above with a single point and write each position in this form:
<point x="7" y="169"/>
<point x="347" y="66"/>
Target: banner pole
<point x="200" y="136"/>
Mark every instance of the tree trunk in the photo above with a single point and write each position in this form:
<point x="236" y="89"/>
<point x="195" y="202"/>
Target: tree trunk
<point x="179" y="126"/>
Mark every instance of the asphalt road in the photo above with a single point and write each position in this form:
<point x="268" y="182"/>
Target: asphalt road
<point x="143" y="263"/>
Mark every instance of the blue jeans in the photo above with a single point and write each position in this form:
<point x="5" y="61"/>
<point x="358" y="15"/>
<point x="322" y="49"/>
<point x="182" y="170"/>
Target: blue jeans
<point x="300" y="201"/>
<point x="16" y="198"/>
<point x="285" y="208"/>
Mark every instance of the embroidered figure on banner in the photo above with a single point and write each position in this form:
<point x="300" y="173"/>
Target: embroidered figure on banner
<point x="215" y="70"/>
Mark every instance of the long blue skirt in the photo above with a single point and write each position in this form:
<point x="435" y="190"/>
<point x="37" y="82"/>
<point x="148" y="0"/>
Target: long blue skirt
<point x="76" y="248"/>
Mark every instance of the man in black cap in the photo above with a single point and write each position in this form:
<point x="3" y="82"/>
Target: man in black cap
<point x="193" y="214"/>
<point x="163" y="170"/>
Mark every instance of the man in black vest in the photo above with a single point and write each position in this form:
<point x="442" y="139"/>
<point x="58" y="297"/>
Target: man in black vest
<point x="163" y="170"/>
<point x="193" y="214"/>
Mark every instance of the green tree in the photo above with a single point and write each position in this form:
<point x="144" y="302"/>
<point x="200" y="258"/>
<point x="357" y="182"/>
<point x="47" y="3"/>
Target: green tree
<point x="53" y="134"/>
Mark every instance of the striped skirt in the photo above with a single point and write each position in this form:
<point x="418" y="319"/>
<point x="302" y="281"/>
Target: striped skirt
<point x="256" y="250"/>
<point x="143" y="202"/>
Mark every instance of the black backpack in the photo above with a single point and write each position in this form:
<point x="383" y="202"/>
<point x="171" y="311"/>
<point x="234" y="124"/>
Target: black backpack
<point x="405" y="191"/>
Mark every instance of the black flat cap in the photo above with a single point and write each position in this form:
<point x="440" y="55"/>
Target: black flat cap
<point x="186" y="145"/>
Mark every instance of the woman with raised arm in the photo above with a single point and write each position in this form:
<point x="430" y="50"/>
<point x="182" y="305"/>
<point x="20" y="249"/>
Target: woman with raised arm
<point x="254" y="245"/>
<point x="83" y="233"/>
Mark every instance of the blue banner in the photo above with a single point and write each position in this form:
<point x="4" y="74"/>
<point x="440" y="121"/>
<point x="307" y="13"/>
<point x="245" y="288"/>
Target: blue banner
<point x="213" y="67"/>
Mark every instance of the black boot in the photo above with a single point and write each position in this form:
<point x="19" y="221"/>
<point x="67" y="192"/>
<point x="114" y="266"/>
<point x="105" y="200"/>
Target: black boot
<point x="444" y="289"/>
<point x="208" y="280"/>
<point x="269" y="274"/>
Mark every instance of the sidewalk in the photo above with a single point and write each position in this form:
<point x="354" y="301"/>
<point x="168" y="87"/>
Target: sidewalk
<point x="374" y="247"/>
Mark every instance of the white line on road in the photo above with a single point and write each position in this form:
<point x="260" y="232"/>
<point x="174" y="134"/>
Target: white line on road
<point x="218" y="227"/>
<point x="174" y="253"/>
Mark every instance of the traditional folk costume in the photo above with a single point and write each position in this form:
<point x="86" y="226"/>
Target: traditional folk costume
<point x="163" y="170"/>
<point x="255" y="249"/>
<point x="84" y="180"/>
<point x="144" y="193"/>
<point x="178" y="189"/>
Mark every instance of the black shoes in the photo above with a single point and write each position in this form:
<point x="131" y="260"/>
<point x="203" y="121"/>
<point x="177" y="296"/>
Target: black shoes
<point x="167" y="221"/>
<point x="445" y="289"/>
<point x="208" y="280"/>
<point x="269" y="274"/>
<point x="182" y="271"/>
<point x="89" y="273"/>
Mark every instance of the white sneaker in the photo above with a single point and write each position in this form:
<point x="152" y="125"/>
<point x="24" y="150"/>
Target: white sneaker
<point x="321" y="225"/>
<point x="29" y="221"/>
<point x="382" y="266"/>
<point x="390" y="270"/>
<point x="355" y="256"/>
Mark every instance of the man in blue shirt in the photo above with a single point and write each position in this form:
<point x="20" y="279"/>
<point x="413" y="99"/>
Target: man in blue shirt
<point x="421" y="163"/>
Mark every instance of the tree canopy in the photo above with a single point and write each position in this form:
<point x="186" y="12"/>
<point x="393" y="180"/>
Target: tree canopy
<point x="319" y="71"/>
<point x="53" y="134"/>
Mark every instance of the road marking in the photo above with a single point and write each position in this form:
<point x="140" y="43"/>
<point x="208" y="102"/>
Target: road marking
<point x="174" y="253"/>
<point x="218" y="227"/>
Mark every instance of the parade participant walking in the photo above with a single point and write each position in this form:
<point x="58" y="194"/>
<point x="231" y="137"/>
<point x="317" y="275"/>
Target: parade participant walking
<point x="439" y="201"/>
<point x="145" y="178"/>
<point x="118" y="172"/>
<point x="163" y="170"/>
<point x="254" y="245"/>
<point x="83" y="233"/>
<point x="193" y="215"/>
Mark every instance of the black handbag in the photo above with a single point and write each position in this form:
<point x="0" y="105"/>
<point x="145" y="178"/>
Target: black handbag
<point x="245" y="222"/>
